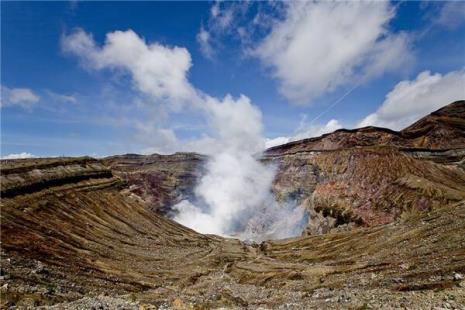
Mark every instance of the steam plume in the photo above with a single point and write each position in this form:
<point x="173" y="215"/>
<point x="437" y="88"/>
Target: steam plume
<point x="234" y="196"/>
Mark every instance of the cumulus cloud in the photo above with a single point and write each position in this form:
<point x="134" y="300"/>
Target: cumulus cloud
<point x="157" y="70"/>
<point x="411" y="100"/>
<point x="23" y="97"/>
<point x="18" y="156"/>
<point x="320" y="46"/>
<point x="161" y="73"/>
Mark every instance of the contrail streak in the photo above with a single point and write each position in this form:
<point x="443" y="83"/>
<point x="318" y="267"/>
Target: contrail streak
<point x="335" y="103"/>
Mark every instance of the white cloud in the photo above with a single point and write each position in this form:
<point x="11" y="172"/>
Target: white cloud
<point x="234" y="124"/>
<point x="62" y="97"/>
<point x="222" y="17"/>
<point x="27" y="98"/>
<point x="320" y="46"/>
<point x="452" y="14"/>
<point x="316" y="131"/>
<point x="276" y="141"/>
<point x="23" y="97"/>
<point x="156" y="70"/>
<point x="160" y="140"/>
<point x="215" y="10"/>
<point x="203" y="38"/>
<point x="20" y="95"/>
<point x="18" y="156"/>
<point x="306" y="131"/>
<point x="411" y="100"/>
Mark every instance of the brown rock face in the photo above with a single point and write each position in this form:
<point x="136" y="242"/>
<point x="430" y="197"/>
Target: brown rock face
<point x="89" y="242"/>
<point x="80" y="233"/>
<point x="443" y="129"/>
<point x="365" y="186"/>
<point x="160" y="180"/>
<point x="372" y="176"/>
<point x="367" y="176"/>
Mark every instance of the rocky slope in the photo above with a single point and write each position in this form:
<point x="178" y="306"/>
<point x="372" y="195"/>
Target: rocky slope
<point x="386" y="230"/>
<point x="361" y="177"/>
<point x="373" y="176"/>
<point x="88" y="242"/>
<point x="85" y="234"/>
<point x="442" y="129"/>
<point x="366" y="186"/>
<point x="160" y="180"/>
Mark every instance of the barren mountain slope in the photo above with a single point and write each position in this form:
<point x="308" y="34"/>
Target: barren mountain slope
<point x="160" y="180"/>
<point x="76" y="239"/>
<point x="373" y="176"/>
<point x="367" y="177"/>
<point x="366" y="186"/>
<point x="87" y="235"/>
<point x="443" y="129"/>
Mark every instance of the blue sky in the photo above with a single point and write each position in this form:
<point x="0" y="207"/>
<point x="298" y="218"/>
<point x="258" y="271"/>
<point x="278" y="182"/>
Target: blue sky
<point x="309" y="68"/>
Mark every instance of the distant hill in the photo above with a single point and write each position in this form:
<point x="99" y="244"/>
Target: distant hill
<point x="442" y="129"/>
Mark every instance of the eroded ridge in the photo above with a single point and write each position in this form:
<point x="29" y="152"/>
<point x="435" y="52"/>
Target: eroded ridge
<point x="79" y="240"/>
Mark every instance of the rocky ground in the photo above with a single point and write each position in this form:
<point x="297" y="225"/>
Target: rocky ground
<point x="386" y="232"/>
<point x="440" y="130"/>
<point x="161" y="181"/>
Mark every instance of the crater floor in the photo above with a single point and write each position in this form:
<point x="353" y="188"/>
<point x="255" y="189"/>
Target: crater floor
<point x="91" y="242"/>
<point x="386" y="232"/>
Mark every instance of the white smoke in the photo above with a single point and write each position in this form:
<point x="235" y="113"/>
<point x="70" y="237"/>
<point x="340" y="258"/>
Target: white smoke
<point x="234" y="197"/>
